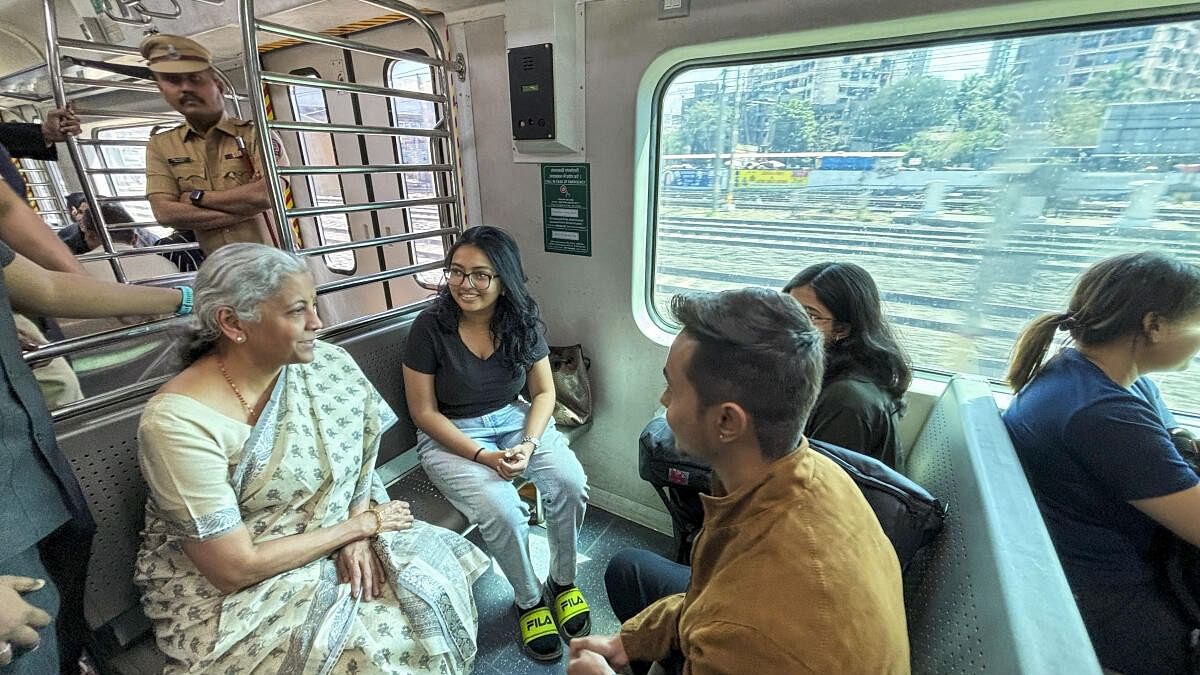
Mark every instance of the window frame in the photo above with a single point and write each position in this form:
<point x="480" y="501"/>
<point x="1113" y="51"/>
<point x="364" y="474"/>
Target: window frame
<point x="388" y="66"/>
<point x="309" y="71"/>
<point x="1002" y="22"/>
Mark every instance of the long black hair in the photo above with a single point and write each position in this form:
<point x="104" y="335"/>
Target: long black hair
<point x="1110" y="302"/>
<point x="516" y="323"/>
<point x="870" y="348"/>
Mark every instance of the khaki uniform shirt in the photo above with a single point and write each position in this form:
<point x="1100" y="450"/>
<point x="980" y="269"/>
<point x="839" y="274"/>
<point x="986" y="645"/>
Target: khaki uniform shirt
<point x="182" y="159"/>
<point x="791" y="575"/>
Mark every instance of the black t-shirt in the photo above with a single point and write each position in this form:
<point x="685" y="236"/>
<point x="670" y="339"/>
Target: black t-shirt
<point x="465" y="385"/>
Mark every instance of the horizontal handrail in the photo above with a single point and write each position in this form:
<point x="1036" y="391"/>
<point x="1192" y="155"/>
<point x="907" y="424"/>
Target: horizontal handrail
<point x="330" y="128"/>
<point x="351" y="45"/>
<point x="139" y="389"/>
<point x="96" y="340"/>
<point x="132" y="226"/>
<point x="124" y="114"/>
<point x="110" y="84"/>
<point x="142" y="251"/>
<point x="123" y="198"/>
<point x="354" y="282"/>
<point x="352" y="87"/>
<point x="368" y="206"/>
<point x="99" y="47"/>
<point x="378" y="241"/>
<point x="125" y="171"/>
<point x="111" y="142"/>
<point x="360" y="168"/>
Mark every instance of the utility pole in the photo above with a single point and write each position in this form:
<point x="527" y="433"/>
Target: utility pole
<point x="718" y="139"/>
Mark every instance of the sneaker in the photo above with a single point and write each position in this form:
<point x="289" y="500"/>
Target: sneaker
<point x="571" y="610"/>
<point x="538" y="633"/>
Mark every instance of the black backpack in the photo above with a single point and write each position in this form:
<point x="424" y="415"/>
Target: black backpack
<point x="909" y="515"/>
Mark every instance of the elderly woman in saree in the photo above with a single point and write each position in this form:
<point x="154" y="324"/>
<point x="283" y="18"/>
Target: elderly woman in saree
<point x="270" y="544"/>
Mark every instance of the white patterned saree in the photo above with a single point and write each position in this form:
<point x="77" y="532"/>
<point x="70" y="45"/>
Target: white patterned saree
<point x="305" y="464"/>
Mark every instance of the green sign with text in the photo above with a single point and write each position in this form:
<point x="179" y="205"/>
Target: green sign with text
<point x="566" y="208"/>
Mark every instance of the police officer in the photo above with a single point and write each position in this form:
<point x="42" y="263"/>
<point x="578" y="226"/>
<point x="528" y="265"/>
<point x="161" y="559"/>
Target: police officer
<point x="206" y="175"/>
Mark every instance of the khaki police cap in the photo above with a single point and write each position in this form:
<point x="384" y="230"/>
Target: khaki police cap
<point x="175" y="54"/>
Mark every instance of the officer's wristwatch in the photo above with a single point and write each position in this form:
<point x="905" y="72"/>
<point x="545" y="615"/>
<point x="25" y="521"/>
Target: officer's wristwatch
<point x="196" y="196"/>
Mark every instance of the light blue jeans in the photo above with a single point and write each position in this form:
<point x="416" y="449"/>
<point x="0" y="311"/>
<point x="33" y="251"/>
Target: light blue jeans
<point x="492" y="503"/>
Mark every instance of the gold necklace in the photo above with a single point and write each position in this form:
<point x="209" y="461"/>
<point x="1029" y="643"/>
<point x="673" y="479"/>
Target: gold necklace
<point x="241" y="399"/>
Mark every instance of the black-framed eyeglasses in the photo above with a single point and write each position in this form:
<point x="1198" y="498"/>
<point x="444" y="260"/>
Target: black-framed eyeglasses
<point x="479" y="280"/>
<point x="814" y="317"/>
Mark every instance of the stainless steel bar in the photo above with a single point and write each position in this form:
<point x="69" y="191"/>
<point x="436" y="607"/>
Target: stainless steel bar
<point x="119" y="395"/>
<point x="145" y="250"/>
<point x="126" y="114"/>
<point x="368" y="206"/>
<point x="127" y="171"/>
<point x="54" y="68"/>
<point x="342" y="43"/>
<point x="377" y="241"/>
<point x="354" y="282"/>
<point x="111" y="84"/>
<point x="365" y="321"/>
<point x="97" y="340"/>
<point x="253" y="70"/>
<point x="357" y="169"/>
<point x="111" y="142"/>
<point x="351" y="87"/>
<point x="329" y="128"/>
<point x="98" y="47"/>
<point x="133" y="226"/>
<point x="123" y="198"/>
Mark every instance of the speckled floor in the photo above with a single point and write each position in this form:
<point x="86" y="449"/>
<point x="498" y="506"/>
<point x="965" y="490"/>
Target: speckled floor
<point x="603" y="535"/>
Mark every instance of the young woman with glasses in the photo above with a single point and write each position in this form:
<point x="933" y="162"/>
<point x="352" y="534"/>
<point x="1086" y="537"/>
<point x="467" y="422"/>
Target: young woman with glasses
<point x="467" y="359"/>
<point x="866" y="371"/>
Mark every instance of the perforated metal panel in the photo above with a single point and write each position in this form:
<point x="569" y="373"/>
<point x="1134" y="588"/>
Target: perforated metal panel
<point x="989" y="595"/>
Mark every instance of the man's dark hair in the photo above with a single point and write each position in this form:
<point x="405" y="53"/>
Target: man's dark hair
<point x="755" y="347"/>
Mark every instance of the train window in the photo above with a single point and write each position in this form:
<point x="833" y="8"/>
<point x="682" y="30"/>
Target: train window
<point x="409" y="76"/>
<point x="973" y="179"/>
<point x="309" y="105"/>
<point x="129" y="157"/>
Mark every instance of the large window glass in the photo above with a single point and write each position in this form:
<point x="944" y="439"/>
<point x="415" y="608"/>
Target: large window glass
<point x="131" y="158"/>
<point x="412" y="113"/>
<point x="974" y="180"/>
<point x="309" y="105"/>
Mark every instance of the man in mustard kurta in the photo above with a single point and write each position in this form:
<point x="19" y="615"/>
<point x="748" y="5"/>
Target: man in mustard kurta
<point x="205" y="175"/>
<point x="792" y="572"/>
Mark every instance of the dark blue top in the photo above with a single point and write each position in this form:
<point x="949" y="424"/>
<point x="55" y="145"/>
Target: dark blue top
<point x="465" y="385"/>
<point x="1089" y="446"/>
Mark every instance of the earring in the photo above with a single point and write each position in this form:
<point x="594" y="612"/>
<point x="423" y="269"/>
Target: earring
<point x="240" y="338"/>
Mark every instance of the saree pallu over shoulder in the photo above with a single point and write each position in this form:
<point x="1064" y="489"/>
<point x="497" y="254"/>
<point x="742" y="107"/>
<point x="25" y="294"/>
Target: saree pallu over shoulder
<point x="305" y="464"/>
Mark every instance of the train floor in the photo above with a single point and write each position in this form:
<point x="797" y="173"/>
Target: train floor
<point x="602" y="536"/>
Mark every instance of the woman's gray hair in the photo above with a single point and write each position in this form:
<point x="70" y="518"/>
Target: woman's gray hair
<point x="240" y="277"/>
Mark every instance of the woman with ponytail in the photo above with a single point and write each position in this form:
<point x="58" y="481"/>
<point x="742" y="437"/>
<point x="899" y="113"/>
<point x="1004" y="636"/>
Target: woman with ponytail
<point x="866" y="371"/>
<point x="1092" y="434"/>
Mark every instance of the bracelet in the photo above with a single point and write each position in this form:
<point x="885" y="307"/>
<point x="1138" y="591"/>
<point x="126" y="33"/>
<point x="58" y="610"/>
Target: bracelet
<point x="185" y="304"/>
<point x="476" y="457"/>
<point x="378" y="521"/>
<point x="534" y="441"/>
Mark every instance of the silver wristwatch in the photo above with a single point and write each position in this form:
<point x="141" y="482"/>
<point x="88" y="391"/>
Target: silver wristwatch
<point x="534" y="441"/>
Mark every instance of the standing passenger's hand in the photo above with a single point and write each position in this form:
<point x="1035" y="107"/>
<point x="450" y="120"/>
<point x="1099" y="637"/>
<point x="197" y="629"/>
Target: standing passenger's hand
<point x="358" y="566"/>
<point x="60" y="123"/>
<point x="19" y="620"/>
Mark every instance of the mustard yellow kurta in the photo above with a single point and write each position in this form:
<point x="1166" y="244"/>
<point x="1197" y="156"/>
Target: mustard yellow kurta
<point x="792" y="575"/>
<point x="182" y="159"/>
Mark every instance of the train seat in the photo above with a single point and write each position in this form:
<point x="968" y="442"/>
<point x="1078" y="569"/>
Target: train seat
<point x="101" y="445"/>
<point x="989" y="592"/>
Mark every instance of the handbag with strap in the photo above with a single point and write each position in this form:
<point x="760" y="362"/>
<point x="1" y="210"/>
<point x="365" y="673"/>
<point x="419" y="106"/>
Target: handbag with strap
<point x="572" y="386"/>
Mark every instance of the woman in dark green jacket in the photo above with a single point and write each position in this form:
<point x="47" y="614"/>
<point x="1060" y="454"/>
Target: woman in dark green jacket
<point x="866" y="371"/>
